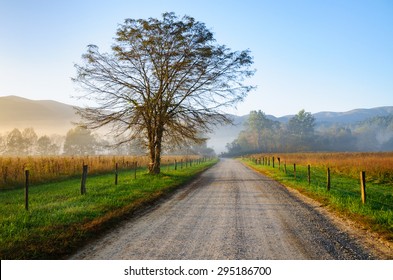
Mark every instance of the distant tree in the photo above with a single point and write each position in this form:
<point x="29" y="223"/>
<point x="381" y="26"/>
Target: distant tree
<point x="302" y="124"/>
<point x="374" y="134"/>
<point x="58" y="142"/>
<point x="260" y="130"/>
<point x="16" y="144"/>
<point x="233" y="148"/>
<point x="165" y="80"/>
<point x="301" y="131"/>
<point x="255" y="124"/>
<point x="80" y="141"/>
<point x="3" y="144"/>
<point x="30" y="139"/>
<point x="46" y="147"/>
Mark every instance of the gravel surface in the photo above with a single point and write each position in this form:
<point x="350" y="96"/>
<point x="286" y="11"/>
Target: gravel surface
<point x="229" y="212"/>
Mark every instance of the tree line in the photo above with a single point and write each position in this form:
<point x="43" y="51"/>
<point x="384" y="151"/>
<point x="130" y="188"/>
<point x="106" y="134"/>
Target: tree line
<point x="301" y="133"/>
<point x="79" y="141"/>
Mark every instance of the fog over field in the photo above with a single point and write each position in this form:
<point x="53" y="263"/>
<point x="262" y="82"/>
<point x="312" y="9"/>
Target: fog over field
<point x="371" y="128"/>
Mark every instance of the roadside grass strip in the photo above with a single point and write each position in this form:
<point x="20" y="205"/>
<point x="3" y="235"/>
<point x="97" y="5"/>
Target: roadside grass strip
<point x="344" y="196"/>
<point x="60" y="219"/>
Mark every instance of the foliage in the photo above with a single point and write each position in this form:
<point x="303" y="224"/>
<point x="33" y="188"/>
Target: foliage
<point x="46" y="147"/>
<point x="80" y="141"/>
<point x="266" y="135"/>
<point x="258" y="128"/>
<point x="27" y="142"/>
<point x="165" y="80"/>
<point x="301" y="133"/>
<point x="302" y="124"/>
<point x="15" y="142"/>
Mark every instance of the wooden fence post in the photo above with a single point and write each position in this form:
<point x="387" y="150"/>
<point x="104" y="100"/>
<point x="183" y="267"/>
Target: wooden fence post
<point x="363" y="186"/>
<point x="175" y="164"/>
<point x="285" y="167"/>
<point x="294" y="170"/>
<point x="27" y="175"/>
<point x="309" y="174"/>
<point x="279" y="163"/>
<point x="116" y="172"/>
<point x="83" y="181"/>
<point x="273" y="161"/>
<point x="135" y="168"/>
<point x="328" y="179"/>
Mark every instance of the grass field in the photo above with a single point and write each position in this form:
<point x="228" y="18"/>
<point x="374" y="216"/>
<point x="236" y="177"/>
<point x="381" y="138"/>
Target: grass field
<point x="60" y="219"/>
<point x="344" y="195"/>
<point x="56" y="168"/>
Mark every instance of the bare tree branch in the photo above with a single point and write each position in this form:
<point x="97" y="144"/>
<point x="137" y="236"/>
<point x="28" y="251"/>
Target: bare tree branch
<point x="166" y="80"/>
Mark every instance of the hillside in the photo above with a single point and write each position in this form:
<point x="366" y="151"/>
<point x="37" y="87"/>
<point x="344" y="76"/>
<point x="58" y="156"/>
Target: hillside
<point x="353" y="116"/>
<point x="45" y="116"/>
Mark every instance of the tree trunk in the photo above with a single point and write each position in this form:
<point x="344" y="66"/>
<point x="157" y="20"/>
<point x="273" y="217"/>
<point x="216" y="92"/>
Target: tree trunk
<point x="155" y="167"/>
<point x="155" y="152"/>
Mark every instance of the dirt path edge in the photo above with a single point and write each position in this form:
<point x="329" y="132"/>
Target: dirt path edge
<point x="373" y="241"/>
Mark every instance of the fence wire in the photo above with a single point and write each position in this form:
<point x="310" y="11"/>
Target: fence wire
<point x="382" y="191"/>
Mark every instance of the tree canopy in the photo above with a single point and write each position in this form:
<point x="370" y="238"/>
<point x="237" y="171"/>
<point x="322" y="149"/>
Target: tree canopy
<point x="80" y="141"/>
<point x="302" y="124"/>
<point x="166" y="80"/>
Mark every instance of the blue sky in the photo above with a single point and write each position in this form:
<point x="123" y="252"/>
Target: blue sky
<point x="326" y="55"/>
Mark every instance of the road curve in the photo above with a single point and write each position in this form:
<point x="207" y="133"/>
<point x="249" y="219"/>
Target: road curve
<point x="229" y="212"/>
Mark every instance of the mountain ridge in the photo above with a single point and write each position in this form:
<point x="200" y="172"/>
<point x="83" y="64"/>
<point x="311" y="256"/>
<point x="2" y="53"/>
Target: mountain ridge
<point x="55" y="117"/>
<point x="42" y="115"/>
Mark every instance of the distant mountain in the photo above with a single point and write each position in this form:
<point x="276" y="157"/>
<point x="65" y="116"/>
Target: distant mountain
<point x="353" y="116"/>
<point x="45" y="116"/>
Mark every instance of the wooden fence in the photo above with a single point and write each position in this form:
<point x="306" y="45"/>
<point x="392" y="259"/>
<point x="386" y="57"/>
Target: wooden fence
<point x="184" y="163"/>
<point x="269" y="161"/>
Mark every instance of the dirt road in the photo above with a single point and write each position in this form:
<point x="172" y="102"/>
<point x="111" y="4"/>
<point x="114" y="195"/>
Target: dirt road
<point x="230" y="212"/>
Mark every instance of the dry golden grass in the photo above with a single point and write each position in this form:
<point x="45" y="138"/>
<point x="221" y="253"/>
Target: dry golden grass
<point x="378" y="166"/>
<point x="55" y="168"/>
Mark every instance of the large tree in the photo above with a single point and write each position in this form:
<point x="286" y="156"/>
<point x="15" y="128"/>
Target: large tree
<point x="164" y="80"/>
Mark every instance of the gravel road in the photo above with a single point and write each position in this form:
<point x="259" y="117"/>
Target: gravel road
<point x="229" y="212"/>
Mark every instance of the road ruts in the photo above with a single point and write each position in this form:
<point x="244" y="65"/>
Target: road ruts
<point x="229" y="212"/>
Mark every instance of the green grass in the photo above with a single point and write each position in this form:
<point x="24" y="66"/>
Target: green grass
<point x="344" y="195"/>
<point x="60" y="219"/>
